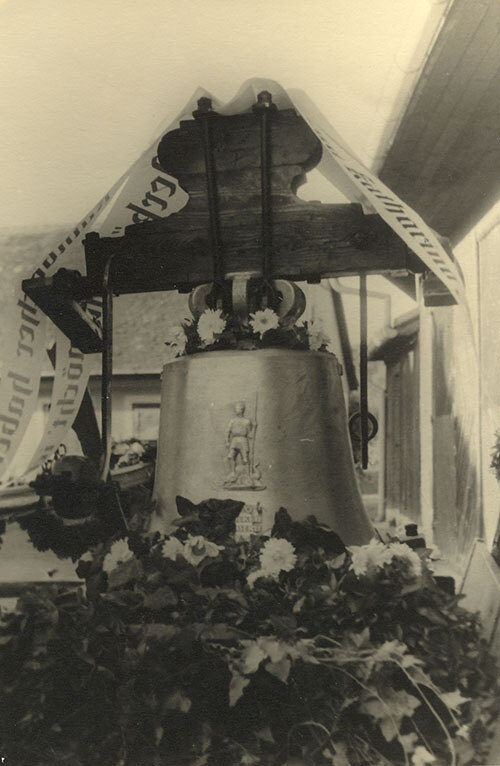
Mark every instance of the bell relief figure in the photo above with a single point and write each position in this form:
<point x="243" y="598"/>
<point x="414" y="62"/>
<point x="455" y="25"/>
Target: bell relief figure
<point x="240" y="443"/>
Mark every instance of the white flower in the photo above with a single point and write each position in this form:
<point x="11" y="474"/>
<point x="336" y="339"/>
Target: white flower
<point x="421" y="757"/>
<point x="137" y="449"/>
<point x="403" y="551"/>
<point x="262" y="321"/>
<point x="172" y="547"/>
<point x="175" y="341"/>
<point x="210" y="324"/>
<point x="372" y="556"/>
<point x="277" y="555"/>
<point x="198" y="548"/>
<point x="317" y="338"/>
<point x="464" y="731"/>
<point x="119" y="553"/>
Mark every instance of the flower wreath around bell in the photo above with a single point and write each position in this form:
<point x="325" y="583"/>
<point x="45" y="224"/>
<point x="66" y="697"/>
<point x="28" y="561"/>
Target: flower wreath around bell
<point x="217" y="330"/>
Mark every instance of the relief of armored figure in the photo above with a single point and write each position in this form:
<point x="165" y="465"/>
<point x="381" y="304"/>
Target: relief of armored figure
<point x="240" y="445"/>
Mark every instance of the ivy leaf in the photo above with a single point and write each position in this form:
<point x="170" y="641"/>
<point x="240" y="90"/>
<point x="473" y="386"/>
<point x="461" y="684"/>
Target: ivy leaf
<point x="347" y="702"/>
<point x="389" y="650"/>
<point x="160" y="599"/>
<point x="265" y="735"/>
<point x="159" y="631"/>
<point x="185" y="507"/>
<point x="360" y="639"/>
<point x="236" y="688"/>
<point x="285" y="625"/>
<point x="299" y="604"/>
<point x="124" y="573"/>
<point x="408" y="741"/>
<point x="178" y="701"/>
<point x="432" y="615"/>
<point x="465" y="751"/>
<point x="339" y="757"/>
<point x="219" y="631"/>
<point x="158" y="735"/>
<point x="410" y="661"/>
<point x="280" y="669"/>
<point x="397" y="705"/>
<point x="82" y="655"/>
<point x="454" y="699"/>
<point x="422" y="757"/>
<point x="252" y="656"/>
<point x="282" y="523"/>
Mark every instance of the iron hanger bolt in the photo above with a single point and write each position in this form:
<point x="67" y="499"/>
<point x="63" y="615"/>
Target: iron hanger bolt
<point x="264" y="102"/>
<point x="204" y="108"/>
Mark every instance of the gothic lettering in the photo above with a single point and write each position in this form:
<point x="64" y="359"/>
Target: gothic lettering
<point x="146" y="215"/>
<point x="10" y="425"/>
<point x="16" y="405"/>
<point x="32" y="309"/>
<point x="18" y="379"/>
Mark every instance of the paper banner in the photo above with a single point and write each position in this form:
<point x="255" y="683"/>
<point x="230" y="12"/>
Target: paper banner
<point x="145" y="192"/>
<point x="70" y="380"/>
<point x="401" y="217"/>
<point x="24" y="352"/>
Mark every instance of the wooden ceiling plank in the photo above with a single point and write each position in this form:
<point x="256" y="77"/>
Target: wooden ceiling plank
<point x="465" y="108"/>
<point x="470" y="163"/>
<point x="464" y="21"/>
<point x="459" y="99"/>
<point x="460" y="207"/>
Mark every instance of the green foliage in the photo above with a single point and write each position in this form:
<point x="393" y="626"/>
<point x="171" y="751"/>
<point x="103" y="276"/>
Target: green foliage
<point x="173" y="658"/>
<point x="495" y="456"/>
<point x="49" y="530"/>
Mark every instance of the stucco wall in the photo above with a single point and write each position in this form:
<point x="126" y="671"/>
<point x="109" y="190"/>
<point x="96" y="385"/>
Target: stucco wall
<point x="461" y="399"/>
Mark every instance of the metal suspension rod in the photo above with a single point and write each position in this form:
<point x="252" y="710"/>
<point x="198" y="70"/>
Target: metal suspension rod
<point x="107" y="366"/>
<point x="264" y="108"/>
<point x="363" y="368"/>
<point x="204" y="115"/>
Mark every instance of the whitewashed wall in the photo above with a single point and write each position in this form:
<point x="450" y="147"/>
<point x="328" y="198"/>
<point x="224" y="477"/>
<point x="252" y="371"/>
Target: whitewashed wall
<point x="460" y="347"/>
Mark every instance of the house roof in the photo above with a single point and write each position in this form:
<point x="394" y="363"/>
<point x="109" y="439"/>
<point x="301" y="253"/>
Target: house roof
<point x="393" y="341"/>
<point x="140" y="321"/>
<point x="445" y="155"/>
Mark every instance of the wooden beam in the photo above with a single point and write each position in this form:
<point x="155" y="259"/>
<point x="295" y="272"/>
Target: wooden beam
<point x="311" y="241"/>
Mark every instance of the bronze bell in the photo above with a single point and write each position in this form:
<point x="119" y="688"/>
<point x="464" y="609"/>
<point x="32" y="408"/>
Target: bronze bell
<point x="267" y="427"/>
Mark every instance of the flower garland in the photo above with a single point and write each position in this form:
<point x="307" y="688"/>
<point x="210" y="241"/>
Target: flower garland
<point x="216" y="330"/>
<point x="495" y="456"/>
<point x="201" y="649"/>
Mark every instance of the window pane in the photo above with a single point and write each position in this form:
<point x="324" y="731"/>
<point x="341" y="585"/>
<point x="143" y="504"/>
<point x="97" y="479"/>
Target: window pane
<point x="146" y="418"/>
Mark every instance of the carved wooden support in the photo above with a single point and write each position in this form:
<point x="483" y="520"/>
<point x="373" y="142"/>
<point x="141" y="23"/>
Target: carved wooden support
<point x="310" y="240"/>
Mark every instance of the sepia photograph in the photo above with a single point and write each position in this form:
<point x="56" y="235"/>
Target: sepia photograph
<point x="249" y="399"/>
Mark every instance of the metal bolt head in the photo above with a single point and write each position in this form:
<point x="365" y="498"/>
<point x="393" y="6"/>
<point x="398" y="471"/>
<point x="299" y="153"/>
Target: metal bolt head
<point x="204" y="106"/>
<point x="264" y="101"/>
